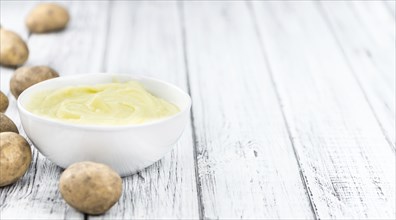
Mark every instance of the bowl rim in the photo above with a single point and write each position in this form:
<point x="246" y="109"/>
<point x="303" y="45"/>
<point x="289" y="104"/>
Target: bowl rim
<point x="102" y="127"/>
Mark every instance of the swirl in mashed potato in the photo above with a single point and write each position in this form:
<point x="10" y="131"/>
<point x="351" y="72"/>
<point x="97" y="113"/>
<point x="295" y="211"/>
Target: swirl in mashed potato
<point x="109" y="104"/>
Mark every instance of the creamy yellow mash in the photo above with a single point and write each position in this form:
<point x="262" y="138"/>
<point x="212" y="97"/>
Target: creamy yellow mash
<point x="112" y="104"/>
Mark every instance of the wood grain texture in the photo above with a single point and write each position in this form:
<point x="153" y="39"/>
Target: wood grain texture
<point x="293" y="106"/>
<point x="368" y="41"/>
<point x="145" y="38"/>
<point x="366" y="35"/>
<point x="247" y="168"/>
<point x="78" y="49"/>
<point x="347" y="163"/>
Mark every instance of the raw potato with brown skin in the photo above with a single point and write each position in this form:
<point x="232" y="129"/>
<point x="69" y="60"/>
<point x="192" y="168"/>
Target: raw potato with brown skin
<point x="89" y="187"/>
<point x="47" y="17"/>
<point x="3" y="102"/>
<point x="24" y="77"/>
<point x="13" y="50"/>
<point x="15" y="157"/>
<point x="7" y="125"/>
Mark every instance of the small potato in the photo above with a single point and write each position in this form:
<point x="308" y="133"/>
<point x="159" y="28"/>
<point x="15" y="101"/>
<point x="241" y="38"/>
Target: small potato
<point x="15" y="157"/>
<point x="3" y="102"/>
<point x="89" y="187"/>
<point x="13" y="50"/>
<point x="7" y="125"/>
<point x="24" y="77"/>
<point x="47" y="17"/>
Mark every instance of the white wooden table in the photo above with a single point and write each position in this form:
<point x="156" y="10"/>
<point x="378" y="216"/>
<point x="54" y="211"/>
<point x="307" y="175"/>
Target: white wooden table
<point x="293" y="106"/>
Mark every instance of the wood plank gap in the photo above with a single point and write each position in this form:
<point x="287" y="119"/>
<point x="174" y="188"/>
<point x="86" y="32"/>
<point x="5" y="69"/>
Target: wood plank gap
<point x="201" y="208"/>
<point x="354" y="74"/>
<point x="347" y="162"/>
<point x="266" y="60"/>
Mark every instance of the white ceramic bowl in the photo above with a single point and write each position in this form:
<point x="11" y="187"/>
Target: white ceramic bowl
<point x="126" y="148"/>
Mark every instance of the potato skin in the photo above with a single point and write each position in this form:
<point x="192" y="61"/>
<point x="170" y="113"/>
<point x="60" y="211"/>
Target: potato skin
<point x="13" y="50"/>
<point x="7" y="125"/>
<point x="24" y="77"/>
<point x="47" y="17"/>
<point x="15" y="157"/>
<point x="89" y="187"/>
<point x="3" y="102"/>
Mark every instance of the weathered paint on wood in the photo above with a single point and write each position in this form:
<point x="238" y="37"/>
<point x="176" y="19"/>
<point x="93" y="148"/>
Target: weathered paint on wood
<point x="293" y="111"/>
<point x="246" y="164"/>
<point x="368" y="41"/>
<point x="347" y="163"/>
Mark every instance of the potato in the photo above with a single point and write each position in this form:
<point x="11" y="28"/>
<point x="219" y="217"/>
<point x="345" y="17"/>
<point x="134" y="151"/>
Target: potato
<point x="13" y="50"/>
<point x="47" y="17"/>
<point x="15" y="157"/>
<point x="89" y="187"/>
<point x="3" y="102"/>
<point x="24" y="77"/>
<point x="7" y="125"/>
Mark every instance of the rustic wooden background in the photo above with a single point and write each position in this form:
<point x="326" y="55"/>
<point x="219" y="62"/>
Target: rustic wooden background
<point x="293" y="106"/>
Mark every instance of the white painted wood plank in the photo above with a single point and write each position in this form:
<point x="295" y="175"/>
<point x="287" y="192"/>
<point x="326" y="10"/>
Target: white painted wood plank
<point x="369" y="47"/>
<point x="13" y="15"/>
<point x="78" y="49"/>
<point x="347" y="163"/>
<point x="247" y="168"/>
<point x="367" y="35"/>
<point x="145" y="38"/>
<point x="391" y="5"/>
<point x="379" y="27"/>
